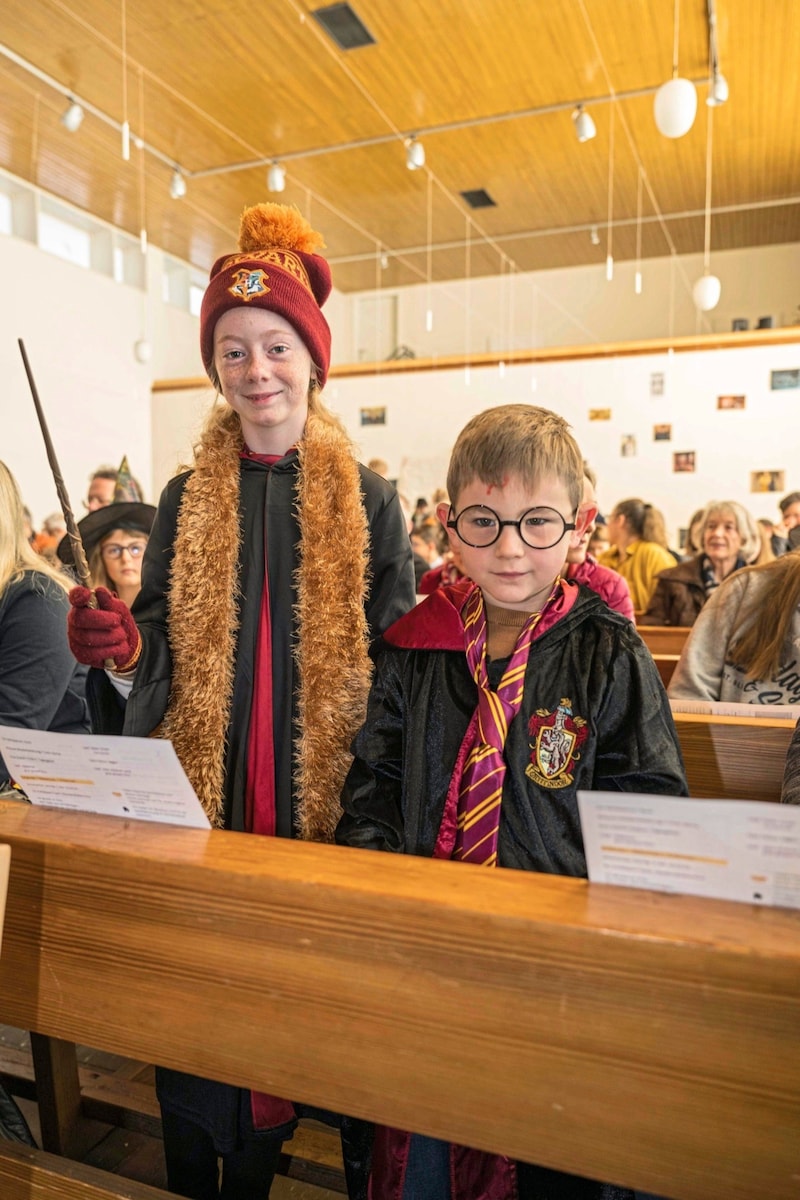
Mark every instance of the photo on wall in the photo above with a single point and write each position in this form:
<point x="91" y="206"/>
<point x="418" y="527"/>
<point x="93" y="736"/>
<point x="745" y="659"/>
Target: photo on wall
<point x="599" y="414"/>
<point x="657" y="383"/>
<point x="684" y="460"/>
<point x="767" y="481"/>
<point x="731" y="401"/>
<point x="662" y="433"/>
<point x="781" y="380"/>
<point x="627" y="445"/>
<point x="373" y="416"/>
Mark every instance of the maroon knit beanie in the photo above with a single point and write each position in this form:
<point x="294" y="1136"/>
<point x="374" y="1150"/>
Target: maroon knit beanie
<point x="277" y="269"/>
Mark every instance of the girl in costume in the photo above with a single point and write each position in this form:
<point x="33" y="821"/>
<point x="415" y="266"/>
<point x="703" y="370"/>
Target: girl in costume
<point x="248" y="643"/>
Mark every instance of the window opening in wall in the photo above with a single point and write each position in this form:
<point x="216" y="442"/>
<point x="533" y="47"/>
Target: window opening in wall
<point x="64" y="239"/>
<point x="5" y="213"/>
<point x="196" y="294"/>
<point x="376" y="327"/>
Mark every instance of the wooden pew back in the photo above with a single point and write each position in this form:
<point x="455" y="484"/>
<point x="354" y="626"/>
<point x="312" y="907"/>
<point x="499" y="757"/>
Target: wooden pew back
<point x="734" y="758"/>
<point x="648" y="1040"/>
<point x="664" y="639"/>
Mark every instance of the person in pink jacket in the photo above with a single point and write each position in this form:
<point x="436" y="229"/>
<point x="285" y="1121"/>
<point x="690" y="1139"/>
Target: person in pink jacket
<point x="581" y="567"/>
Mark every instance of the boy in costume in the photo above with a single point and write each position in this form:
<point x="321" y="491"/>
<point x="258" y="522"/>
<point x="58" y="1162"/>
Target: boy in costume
<point x="493" y="702"/>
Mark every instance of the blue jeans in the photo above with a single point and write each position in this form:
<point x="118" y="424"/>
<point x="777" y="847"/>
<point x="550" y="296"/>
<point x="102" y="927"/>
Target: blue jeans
<point x="427" y="1170"/>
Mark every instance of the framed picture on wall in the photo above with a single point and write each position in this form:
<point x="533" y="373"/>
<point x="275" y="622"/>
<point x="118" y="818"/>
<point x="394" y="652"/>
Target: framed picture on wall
<point x="730" y="401"/>
<point x="780" y="380"/>
<point x="767" y="481"/>
<point x="599" y="414"/>
<point x="373" y="416"/>
<point x="627" y="446"/>
<point x="657" y="383"/>
<point x="684" y="460"/>
<point x="662" y="433"/>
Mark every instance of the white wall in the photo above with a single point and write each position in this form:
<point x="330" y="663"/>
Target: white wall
<point x="79" y="328"/>
<point x="578" y="306"/>
<point x="425" y="411"/>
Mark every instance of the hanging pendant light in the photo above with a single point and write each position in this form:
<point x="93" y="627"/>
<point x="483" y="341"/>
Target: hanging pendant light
<point x="675" y="104"/>
<point x="707" y="289"/>
<point x="610" y="222"/>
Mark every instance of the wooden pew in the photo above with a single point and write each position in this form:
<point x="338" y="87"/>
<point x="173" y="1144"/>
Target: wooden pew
<point x="663" y="639"/>
<point x="645" y="1039"/>
<point x="666" y="664"/>
<point x="734" y="758"/>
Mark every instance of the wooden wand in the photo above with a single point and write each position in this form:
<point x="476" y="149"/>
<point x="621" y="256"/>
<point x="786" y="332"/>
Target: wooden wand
<point x="78" y="553"/>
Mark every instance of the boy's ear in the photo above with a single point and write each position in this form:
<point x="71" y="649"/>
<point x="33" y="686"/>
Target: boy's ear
<point x="443" y="513"/>
<point x="586" y="514"/>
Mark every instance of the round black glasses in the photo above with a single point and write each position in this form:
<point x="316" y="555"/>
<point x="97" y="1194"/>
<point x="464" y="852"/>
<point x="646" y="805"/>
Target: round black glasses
<point x="539" y="528"/>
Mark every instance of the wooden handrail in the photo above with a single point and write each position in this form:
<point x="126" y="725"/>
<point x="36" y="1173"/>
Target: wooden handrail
<point x="645" y="1039"/>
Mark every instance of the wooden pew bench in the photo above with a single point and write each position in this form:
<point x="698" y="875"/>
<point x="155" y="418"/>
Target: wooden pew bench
<point x="734" y="758"/>
<point x="641" y="1038"/>
<point x="666" y="664"/>
<point x="663" y="639"/>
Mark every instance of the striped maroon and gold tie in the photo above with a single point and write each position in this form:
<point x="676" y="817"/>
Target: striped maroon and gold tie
<point x="481" y="790"/>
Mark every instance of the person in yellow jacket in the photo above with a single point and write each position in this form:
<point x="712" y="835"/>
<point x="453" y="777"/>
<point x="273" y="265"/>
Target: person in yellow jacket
<point x="638" y="548"/>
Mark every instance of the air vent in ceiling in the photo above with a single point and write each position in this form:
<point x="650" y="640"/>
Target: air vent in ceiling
<point x="341" y="23"/>
<point x="479" y="198"/>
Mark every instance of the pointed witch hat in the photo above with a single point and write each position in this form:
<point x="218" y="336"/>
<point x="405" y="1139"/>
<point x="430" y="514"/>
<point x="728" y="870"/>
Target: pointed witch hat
<point x="126" y="511"/>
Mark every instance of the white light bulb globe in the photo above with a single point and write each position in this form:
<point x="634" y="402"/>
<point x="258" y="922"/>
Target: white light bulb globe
<point x="675" y="107"/>
<point x="276" y="178"/>
<point x="706" y="292"/>
<point x="143" y="350"/>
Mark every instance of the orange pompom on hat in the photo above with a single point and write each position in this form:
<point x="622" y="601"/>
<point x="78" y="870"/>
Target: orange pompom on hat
<point x="277" y="268"/>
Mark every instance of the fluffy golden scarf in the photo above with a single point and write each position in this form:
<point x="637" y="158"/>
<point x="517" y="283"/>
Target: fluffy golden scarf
<point x="334" y="669"/>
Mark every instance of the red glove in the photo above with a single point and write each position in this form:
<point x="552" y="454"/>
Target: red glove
<point x="106" y="632"/>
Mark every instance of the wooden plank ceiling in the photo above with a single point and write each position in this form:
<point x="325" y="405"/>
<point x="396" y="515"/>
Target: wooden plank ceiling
<point x="210" y="85"/>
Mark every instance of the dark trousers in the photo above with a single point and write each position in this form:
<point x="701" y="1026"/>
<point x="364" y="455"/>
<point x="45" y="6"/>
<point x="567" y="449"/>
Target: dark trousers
<point x="428" y="1178"/>
<point x="193" y="1167"/>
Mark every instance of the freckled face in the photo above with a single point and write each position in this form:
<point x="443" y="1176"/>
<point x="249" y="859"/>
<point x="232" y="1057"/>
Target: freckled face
<point x="264" y="371"/>
<point x="510" y="573"/>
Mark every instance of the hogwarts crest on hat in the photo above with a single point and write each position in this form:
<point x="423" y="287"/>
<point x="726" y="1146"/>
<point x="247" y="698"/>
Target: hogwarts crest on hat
<point x="277" y="267"/>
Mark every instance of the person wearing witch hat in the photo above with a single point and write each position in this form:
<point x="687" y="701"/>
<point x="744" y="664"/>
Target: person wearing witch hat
<point x="115" y="538"/>
<point x="248" y="643"/>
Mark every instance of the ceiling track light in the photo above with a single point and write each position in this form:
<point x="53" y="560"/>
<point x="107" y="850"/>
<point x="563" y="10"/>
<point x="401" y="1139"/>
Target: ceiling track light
<point x="72" y="117"/>
<point x="415" y="154"/>
<point x="717" y="90"/>
<point x="276" y="177"/>
<point x="585" y="128"/>
<point x="177" y="185"/>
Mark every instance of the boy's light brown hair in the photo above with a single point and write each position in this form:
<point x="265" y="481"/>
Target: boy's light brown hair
<point x="523" y="440"/>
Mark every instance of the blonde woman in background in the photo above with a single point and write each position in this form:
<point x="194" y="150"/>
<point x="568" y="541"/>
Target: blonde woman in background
<point x="638" y="548"/>
<point x="41" y="685"/>
<point x="729" y="540"/>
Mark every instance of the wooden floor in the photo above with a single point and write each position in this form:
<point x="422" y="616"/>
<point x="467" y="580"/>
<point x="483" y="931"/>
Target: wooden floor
<point x="128" y="1141"/>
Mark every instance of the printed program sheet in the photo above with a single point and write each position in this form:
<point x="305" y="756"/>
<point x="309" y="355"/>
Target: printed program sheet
<point x="726" y="849"/>
<point x="119" y="776"/>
